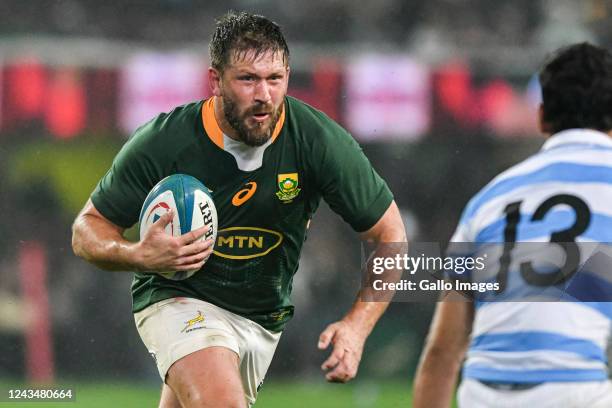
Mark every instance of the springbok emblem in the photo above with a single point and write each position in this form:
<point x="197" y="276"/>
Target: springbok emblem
<point x="192" y="322"/>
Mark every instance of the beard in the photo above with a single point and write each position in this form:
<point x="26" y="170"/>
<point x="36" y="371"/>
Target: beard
<point x="258" y="134"/>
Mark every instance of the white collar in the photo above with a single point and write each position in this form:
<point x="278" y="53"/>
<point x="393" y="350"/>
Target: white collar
<point x="248" y="158"/>
<point x="578" y="137"/>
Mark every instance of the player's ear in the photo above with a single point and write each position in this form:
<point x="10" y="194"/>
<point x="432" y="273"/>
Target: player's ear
<point x="214" y="81"/>
<point x="543" y="125"/>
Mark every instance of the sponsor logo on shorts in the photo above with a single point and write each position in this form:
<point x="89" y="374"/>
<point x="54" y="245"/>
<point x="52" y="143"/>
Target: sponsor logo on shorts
<point x="192" y="322"/>
<point x="287" y="187"/>
<point x="246" y="242"/>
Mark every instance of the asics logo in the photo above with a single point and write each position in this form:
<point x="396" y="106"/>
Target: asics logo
<point x="245" y="194"/>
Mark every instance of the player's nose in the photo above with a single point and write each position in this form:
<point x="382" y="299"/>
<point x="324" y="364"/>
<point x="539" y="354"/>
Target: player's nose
<point x="262" y="92"/>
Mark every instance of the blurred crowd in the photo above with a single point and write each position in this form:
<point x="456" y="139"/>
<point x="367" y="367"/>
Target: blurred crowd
<point x="418" y="23"/>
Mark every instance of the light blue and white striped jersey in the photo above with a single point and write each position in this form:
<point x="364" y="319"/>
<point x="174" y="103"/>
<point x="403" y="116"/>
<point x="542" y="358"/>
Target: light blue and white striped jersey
<point x="566" y="187"/>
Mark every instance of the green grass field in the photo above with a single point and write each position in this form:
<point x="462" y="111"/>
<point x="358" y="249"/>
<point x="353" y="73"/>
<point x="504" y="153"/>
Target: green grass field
<point x="272" y="395"/>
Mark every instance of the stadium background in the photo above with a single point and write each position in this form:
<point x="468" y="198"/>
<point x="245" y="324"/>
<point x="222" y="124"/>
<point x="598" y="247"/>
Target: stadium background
<point x="440" y="94"/>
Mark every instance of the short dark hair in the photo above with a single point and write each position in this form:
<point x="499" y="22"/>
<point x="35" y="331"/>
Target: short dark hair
<point x="237" y="33"/>
<point x="577" y="88"/>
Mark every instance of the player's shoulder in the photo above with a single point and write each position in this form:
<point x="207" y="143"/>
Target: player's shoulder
<point x="312" y="122"/>
<point x="536" y="170"/>
<point x="319" y="138"/>
<point x="549" y="164"/>
<point x="172" y="128"/>
<point x="180" y="117"/>
<point x="499" y="184"/>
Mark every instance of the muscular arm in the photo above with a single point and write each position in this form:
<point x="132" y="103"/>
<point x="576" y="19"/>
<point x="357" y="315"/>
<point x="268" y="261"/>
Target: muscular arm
<point x="443" y="354"/>
<point x="348" y="335"/>
<point x="97" y="240"/>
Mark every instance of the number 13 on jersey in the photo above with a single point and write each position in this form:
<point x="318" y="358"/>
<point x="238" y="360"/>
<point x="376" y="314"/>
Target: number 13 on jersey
<point x="565" y="239"/>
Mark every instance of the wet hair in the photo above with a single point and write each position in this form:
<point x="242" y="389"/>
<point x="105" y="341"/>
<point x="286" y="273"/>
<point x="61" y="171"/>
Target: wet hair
<point x="237" y="33"/>
<point x="577" y="88"/>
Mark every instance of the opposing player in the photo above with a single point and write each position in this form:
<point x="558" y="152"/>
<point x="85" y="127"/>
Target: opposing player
<point x="538" y="354"/>
<point x="268" y="159"/>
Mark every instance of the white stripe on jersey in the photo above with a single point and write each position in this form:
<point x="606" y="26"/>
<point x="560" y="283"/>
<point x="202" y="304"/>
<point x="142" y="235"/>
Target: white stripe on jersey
<point x="539" y="342"/>
<point x="532" y="360"/>
<point x="562" y="318"/>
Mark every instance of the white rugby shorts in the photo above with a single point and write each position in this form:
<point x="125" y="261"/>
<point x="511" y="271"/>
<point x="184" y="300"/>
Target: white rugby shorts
<point x="589" y="394"/>
<point x="174" y="328"/>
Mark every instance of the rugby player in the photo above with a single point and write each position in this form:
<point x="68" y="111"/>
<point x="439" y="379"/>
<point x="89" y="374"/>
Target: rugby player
<point x="537" y="354"/>
<point x="268" y="159"/>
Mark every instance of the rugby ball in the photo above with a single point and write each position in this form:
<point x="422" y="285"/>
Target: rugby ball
<point x="193" y="208"/>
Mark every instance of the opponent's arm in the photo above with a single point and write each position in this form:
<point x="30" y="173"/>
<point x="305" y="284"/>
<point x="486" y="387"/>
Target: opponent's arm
<point x="348" y="335"/>
<point x="443" y="354"/>
<point x="99" y="241"/>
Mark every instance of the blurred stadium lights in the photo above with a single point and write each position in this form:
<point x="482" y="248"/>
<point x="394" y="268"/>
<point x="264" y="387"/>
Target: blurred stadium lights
<point x="109" y="53"/>
<point x="74" y="86"/>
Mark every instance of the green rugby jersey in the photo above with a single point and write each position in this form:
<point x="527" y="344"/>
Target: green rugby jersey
<point x="263" y="212"/>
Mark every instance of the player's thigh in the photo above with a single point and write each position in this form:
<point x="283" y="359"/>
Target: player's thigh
<point x="168" y="398"/>
<point x="207" y="378"/>
<point x="174" y="328"/>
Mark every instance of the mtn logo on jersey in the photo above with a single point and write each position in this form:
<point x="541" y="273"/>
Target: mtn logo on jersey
<point x="287" y="187"/>
<point x="246" y="242"/>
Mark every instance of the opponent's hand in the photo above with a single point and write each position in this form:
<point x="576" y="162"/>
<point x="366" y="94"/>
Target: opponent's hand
<point x="160" y="252"/>
<point x="342" y="364"/>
